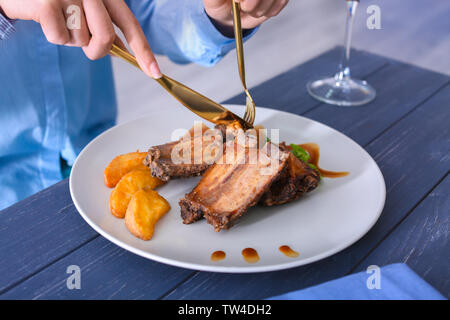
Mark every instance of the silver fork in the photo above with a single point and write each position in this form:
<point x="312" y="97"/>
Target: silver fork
<point x="250" y="111"/>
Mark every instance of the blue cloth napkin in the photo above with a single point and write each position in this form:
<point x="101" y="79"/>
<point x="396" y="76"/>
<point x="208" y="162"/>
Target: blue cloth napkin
<point x="396" y="282"/>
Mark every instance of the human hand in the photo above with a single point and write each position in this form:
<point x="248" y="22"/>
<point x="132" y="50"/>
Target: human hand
<point x="253" y="12"/>
<point x="94" y="33"/>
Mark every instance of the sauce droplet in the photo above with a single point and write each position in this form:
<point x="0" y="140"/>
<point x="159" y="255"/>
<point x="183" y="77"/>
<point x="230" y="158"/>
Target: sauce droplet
<point x="314" y="152"/>
<point x="250" y="255"/>
<point x="218" y="255"/>
<point x="287" y="251"/>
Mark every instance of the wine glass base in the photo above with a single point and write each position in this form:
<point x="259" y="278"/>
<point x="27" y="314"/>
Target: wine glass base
<point x="342" y="92"/>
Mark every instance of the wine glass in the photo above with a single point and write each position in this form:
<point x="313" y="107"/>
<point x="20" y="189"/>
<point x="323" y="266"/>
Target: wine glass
<point x="342" y="90"/>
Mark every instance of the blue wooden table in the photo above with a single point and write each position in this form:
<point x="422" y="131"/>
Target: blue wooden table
<point x="406" y="130"/>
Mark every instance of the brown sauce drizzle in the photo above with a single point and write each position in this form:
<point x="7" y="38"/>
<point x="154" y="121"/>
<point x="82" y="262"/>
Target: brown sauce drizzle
<point x="287" y="251"/>
<point x="218" y="255"/>
<point x="250" y="255"/>
<point x="314" y="152"/>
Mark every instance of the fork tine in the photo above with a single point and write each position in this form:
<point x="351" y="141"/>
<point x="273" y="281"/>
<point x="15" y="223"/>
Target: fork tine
<point x="249" y="115"/>
<point x="246" y="118"/>
<point x="248" y="112"/>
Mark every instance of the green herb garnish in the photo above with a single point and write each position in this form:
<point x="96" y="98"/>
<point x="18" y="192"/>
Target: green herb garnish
<point x="312" y="166"/>
<point x="304" y="156"/>
<point x="300" y="153"/>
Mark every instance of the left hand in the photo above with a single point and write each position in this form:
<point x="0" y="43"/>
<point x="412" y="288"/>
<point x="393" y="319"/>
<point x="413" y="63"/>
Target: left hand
<point x="253" y="12"/>
<point x="95" y="33"/>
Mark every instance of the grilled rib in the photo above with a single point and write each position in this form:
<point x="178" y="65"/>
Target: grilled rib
<point x="227" y="190"/>
<point x="162" y="159"/>
<point x="296" y="180"/>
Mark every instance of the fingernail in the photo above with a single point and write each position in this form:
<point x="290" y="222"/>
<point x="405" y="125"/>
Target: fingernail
<point x="154" y="69"/>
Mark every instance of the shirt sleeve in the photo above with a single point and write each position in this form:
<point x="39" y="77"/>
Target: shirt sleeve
<point x="6" y="27"/>
<point x="182" y="31"/>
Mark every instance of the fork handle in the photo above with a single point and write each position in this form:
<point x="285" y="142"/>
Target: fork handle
<point x="239" y="43"/>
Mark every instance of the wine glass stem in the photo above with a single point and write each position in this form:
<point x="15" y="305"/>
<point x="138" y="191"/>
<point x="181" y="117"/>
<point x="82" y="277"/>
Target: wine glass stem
<point x="344" y="69"/>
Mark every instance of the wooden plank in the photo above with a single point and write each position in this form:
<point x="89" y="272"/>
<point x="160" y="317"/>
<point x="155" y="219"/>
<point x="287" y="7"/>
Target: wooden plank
<point x="107" y="272"/>
<point x="288" y="92"/>
<point x="37" y="231"/>
<point x="413" y="156"/>
<point x="421" y="241"/>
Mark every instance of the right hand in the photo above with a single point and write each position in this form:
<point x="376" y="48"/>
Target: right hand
<point x="96" y="34"/>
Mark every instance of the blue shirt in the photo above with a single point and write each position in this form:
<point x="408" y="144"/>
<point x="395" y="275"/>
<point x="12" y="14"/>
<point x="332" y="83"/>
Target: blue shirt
<point x="53" y="100"/>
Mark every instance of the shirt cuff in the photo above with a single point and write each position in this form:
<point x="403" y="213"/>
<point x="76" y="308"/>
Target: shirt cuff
<point x="213" y="37"/>
<point x="6" y="27"/>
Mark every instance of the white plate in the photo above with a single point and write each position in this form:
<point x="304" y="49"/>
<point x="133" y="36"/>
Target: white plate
<point x="322" y="223"/>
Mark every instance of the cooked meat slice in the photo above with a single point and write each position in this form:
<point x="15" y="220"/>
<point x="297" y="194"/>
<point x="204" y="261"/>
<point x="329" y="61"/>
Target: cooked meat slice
<point x="297" y="179"/>
<point x="161" y="165"/>
<point x="228" y="189"/>
<point x="191" y="211"/>
<point x="188" y="157"/>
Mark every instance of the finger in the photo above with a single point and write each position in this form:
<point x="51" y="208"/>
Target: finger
<point x="53" y="24"/>
<point x="76" y="23"/>
<point x="217" y="4"/>
<point x="23" y="10"/>
<point x="101" y="29"/>
<point x="262" y="9"/>
<point x="249" y="6"/>
<point x="118" y="42"/>
<point x="220" y="10"/>
<point x="249" y="22"/>
<point x="276" y="8"/>
<point x="127" y="22"/>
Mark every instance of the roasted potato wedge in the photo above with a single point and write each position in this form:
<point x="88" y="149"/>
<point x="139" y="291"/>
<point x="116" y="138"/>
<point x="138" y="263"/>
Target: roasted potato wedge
<point x="145" y="209"/>
<point x="129" y="185"/>
<point x="123" y="164"/>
